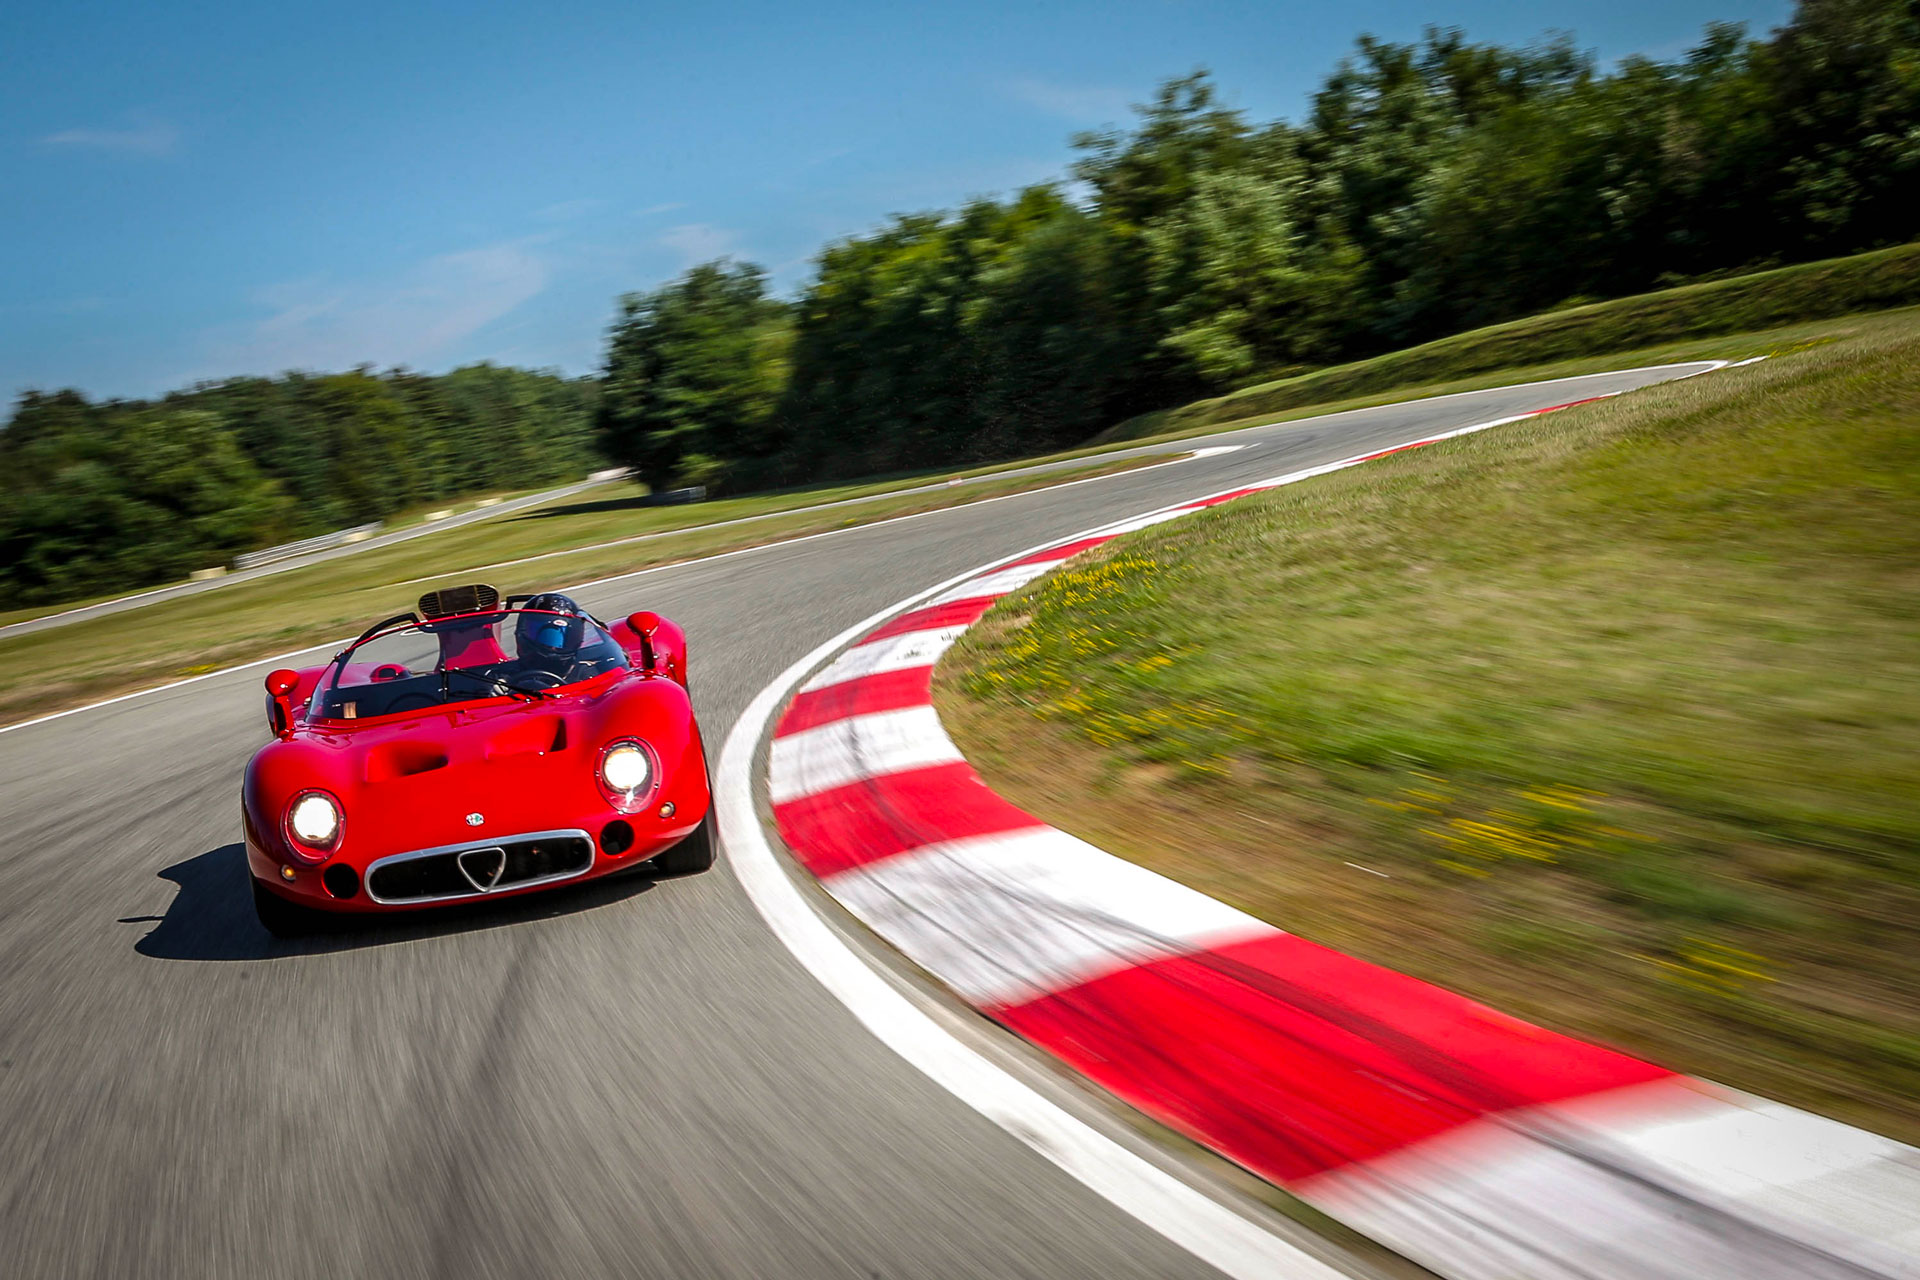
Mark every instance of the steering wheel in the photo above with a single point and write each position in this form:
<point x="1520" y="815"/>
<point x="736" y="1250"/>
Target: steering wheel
<point x="535" y="681"/>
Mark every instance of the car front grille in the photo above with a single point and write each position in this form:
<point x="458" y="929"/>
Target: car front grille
<point x="475" y="870"/>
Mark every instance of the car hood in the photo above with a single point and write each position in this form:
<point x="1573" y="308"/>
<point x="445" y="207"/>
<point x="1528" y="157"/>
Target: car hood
<point x="468" y="772"/>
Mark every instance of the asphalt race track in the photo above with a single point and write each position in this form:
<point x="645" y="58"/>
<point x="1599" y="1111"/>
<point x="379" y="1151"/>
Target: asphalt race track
<point x="623" y="1080"/>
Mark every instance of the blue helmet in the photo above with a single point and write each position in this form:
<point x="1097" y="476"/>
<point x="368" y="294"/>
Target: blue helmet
<point x="551" y="628"/>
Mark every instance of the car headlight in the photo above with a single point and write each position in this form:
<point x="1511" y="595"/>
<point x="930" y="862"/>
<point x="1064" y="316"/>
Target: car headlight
<point x="313" y="825"/>
<point x="626" y="771"/>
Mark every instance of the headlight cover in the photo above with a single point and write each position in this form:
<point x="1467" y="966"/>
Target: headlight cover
<point x="626" y="772"/>
<point x="313" y="826"/>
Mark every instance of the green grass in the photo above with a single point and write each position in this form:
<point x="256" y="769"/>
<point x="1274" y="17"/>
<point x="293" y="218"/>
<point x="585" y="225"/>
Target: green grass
<point x="48" y="670"/>
<point x="1610" y="718"/>
<point x="1810" y="291"/>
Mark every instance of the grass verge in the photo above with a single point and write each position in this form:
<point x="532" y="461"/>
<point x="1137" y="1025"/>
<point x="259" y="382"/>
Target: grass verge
<point x="613" y="510"/>
<point x="1610" y="719"/>
<point x="45" y="671"/>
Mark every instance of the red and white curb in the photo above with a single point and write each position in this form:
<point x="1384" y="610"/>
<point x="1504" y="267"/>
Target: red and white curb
<point x="1473" y="1143"/>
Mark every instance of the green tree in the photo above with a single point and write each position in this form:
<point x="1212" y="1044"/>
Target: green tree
<point x="1242" y="281"/>
<point x="694" y="369"/>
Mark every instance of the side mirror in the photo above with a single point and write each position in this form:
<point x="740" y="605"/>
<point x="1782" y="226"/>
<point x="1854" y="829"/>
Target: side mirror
<point x="644" y="624"/>
<point x="280" y="687"/>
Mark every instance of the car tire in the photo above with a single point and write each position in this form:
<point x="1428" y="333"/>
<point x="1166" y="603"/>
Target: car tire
<point x="281" y="918"/>
<point x="691" y="856"/>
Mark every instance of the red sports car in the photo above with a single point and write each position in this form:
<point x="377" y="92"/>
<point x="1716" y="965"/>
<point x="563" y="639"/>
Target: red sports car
<point x="478" y="748"/>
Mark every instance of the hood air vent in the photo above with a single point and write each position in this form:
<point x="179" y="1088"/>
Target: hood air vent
<point x="448" y="601"/>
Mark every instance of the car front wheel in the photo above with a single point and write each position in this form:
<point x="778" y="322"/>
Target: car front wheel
<point x="692" y="855"/>
<point x="279" y="917"/>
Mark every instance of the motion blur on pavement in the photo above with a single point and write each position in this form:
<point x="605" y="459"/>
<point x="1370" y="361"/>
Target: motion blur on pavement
<point x="1455" y="818"/>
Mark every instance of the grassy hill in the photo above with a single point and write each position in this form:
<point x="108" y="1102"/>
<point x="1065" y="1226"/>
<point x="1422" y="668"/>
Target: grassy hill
<point x="1762" y="300"/>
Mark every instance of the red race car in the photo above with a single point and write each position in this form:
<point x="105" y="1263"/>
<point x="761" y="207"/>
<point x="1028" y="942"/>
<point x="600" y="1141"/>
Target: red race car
<point x="475" y="749"/>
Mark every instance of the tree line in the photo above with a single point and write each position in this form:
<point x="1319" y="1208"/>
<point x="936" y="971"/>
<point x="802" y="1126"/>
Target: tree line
<point x="96" y="497"/>
<point x="1432" y="187"/>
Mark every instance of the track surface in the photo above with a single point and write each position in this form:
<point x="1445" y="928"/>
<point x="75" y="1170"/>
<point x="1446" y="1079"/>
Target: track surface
<point x="626" y="1080"/>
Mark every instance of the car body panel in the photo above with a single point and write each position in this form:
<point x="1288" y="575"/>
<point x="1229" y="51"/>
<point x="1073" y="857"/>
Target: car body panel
<point x="479" y="771"/>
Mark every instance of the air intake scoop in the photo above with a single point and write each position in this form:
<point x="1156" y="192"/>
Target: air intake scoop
<point x="448" y="601"/>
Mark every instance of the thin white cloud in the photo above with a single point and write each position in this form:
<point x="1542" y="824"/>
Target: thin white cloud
<point x="409" y="320"/>
<point x="144" y="136"/>
<point x="698" y="242"/>
<point x="568" y="210"/>
<point x="653" y="209"/>
<point x="1082" y="104"/>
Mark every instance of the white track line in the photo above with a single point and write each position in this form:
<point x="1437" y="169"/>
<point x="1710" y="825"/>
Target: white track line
<point x="1183" y="456"/>
<point x="1006" y="918"/>
<point x="1118" y="448"/>
<point x="1233" y="1245"/>
<point x="172" y="684"/>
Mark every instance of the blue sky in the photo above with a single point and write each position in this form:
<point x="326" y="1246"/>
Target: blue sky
<point x="196" y="190"/>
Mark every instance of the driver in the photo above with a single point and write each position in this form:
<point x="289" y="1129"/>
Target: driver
<point x="548" y="634"/>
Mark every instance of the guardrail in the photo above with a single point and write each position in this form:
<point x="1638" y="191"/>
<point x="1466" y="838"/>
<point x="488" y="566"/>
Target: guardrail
<point x="675" y="497"/>
<point x="320" y="542"/>
<point x="359" y="533"/>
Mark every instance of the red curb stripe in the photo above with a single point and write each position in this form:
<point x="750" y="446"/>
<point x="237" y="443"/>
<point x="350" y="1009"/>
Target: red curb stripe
<point x="1219" y="498"/>
<point x="1555" y="408"/>
<point x="1065" y="551"/>
<point x="865" y="822"/>
<point x="884" y="691"/>
<point x="1402" y="448"/>
<point x="955" y="613"/>
<point x="1295" y="1060"/>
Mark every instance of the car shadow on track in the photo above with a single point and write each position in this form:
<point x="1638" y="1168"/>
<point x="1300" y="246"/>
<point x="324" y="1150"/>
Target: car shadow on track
<point x="211" y="917"/>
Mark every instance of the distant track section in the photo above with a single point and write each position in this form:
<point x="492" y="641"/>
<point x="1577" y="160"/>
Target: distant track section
<point x="330" y="550"/>
<point x="305" y="546"/>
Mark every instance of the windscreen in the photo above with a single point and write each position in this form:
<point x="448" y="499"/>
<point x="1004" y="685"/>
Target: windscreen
<point x="524" y="653"/>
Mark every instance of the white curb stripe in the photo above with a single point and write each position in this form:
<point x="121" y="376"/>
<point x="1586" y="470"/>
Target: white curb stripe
<point x="1007" y="918"/>
<point x="997" y="583"/>
<point x="854" y="749"/>
<point x="895" y="653"/>
<point x="1674" y="1180"/>
<point x="1158" y="517"/>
